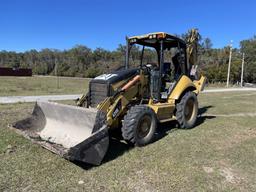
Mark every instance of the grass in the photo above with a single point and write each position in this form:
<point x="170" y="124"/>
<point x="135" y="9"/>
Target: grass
<point x="217" y="155"/>
<point x="40" y="85"/>
<point x="47" y="85"/>
<point x="221" y="85"/>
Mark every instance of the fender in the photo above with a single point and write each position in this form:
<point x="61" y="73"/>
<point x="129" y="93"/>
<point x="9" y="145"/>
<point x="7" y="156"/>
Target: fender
<point x="183" y="84"/>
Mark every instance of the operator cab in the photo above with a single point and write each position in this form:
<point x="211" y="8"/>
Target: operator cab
<point x="167" y="65"/>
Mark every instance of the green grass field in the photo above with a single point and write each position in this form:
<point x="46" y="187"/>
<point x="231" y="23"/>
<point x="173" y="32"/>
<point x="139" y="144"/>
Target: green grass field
<point x="219" y="154"/>
<point x="40" y="85"/>
<point x="45" y="85"/>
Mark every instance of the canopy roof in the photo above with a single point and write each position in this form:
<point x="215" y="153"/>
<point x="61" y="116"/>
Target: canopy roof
<point x="153" y="39"/>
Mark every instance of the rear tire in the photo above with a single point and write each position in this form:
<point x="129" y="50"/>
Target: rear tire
<point x="139" y="125"/>
<point x="186" y="110"/>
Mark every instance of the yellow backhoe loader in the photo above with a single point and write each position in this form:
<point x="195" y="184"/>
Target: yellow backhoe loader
<point x="135" y="100"/>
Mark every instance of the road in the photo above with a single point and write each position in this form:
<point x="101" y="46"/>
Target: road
<point x="27" y="99"/>
<point x="17" y="99"/>
<point x="228" y="90"/>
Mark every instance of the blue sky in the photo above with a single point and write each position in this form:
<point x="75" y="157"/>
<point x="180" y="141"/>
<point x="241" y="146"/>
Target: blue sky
<point x="61" y="24"/>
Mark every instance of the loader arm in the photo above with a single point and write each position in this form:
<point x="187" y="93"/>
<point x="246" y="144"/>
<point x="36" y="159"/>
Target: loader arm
<point x="116" y="106"/>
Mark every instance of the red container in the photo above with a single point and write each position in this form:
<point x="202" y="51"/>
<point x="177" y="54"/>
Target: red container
<point x="5" y="71"/>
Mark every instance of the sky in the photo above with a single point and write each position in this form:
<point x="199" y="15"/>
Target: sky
<point x="62" y="24"/>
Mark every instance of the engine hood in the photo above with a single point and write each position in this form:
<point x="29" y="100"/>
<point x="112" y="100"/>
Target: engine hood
<point x="115" y="76"/>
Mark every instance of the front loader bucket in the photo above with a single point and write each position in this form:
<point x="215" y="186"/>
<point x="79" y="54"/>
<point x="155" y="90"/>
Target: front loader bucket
<point x="67" y="131"/>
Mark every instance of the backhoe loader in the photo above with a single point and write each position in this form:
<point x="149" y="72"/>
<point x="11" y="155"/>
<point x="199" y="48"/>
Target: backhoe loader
<point x="135" y="100"/>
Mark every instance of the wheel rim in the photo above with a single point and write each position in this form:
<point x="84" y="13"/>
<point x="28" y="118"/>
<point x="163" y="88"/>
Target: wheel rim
<point x="189" y="109"/>
<point x="144" y="126"/>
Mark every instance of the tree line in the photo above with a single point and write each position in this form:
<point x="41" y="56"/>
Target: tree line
<point x="214" y="62"/>
<point x="84" y="62"/>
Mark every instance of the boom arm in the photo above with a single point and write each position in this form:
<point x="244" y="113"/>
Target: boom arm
<point x="192" y="52"/>
<point x="192" y="44"/>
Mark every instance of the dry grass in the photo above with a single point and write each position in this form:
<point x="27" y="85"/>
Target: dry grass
<point x="217" y="155"/>
<point x="20" y="86"/>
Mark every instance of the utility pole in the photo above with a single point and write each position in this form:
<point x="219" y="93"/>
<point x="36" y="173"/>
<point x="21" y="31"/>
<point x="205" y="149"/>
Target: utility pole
<point x="242" y="72"/>
<point x="229" y="62"/>
<point x="56" y="73"/>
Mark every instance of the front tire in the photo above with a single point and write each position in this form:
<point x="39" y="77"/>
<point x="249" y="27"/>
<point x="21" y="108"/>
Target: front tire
<point x="187" y="110"/>
<point x="139" y="125"/>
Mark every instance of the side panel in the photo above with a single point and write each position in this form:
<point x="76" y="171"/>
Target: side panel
<point x="164" y="111"/>
<point x="183" y="83"/>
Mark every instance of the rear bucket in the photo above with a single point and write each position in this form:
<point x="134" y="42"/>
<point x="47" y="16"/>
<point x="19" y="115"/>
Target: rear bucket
<point x="67" y="131"/>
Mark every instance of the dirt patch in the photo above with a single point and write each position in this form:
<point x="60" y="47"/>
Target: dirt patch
<point x="233" y="139"/>
<point x="240" y="95"/>
<point x="230" y="176"/>
<point x="140" y="184"/>
<point x="232" y="115"/>
<point x="10" y="149"/>
<point x="208" y="169"/>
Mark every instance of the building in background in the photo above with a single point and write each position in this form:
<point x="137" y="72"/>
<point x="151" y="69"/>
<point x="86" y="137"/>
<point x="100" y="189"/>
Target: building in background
<point x="6" y="71"/>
